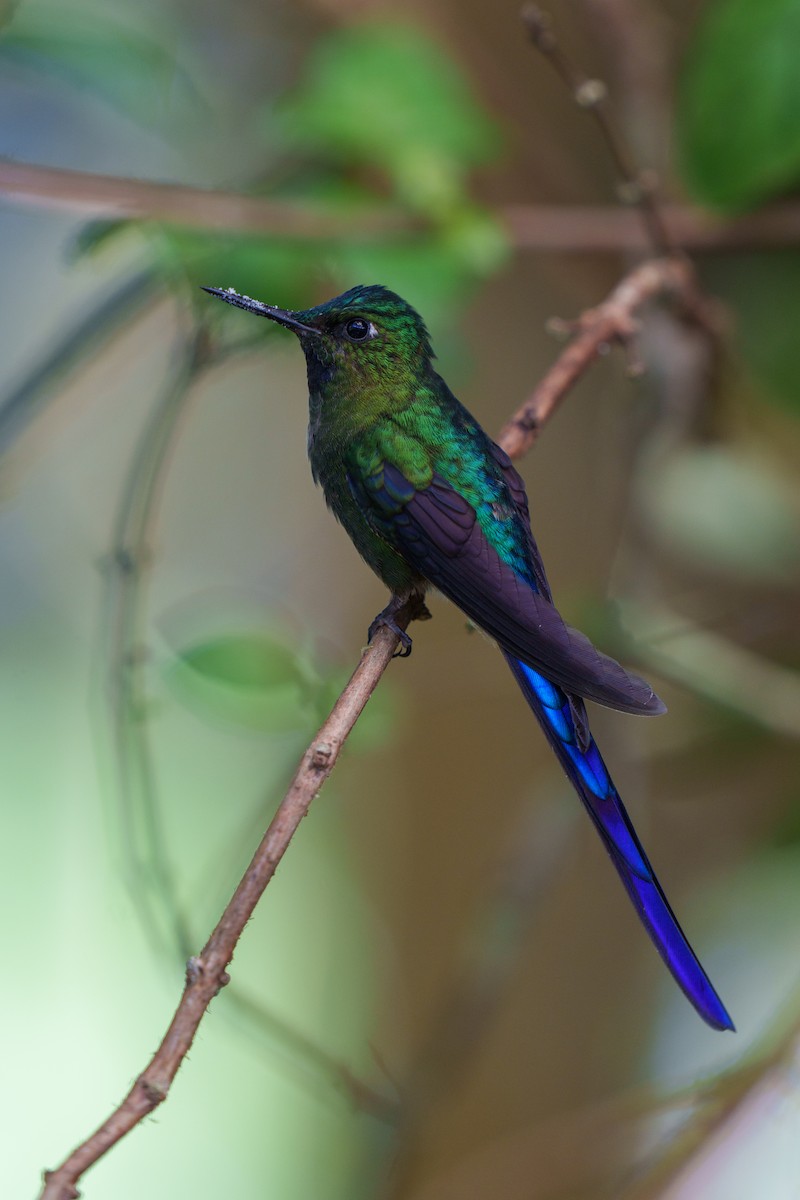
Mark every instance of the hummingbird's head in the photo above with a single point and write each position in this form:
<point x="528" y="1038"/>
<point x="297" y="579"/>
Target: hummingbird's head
<point x="368" y="334"/>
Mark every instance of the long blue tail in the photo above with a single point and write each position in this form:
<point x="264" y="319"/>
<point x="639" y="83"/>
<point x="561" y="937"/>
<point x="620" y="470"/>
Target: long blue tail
<point x="587" y="773"/>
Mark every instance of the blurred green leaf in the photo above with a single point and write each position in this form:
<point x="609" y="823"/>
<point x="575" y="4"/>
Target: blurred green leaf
<point x="386" y="95"/>
<point x="253" y="680"/>
<point x="739" y="104"/>
<point x="97" y="235"/>
<point x="726" y="510"/>
<point x="244" y="660"/>
<point x="477" y="240"/>
<point x="134" y="72"/>
<point x="435" y="271"/>
<point x="424" y="271"/>
<point x="260" y="267"/>
<point x="763" y="290"/>
<point x="787" y="830"/>
<point x="261" y="681"/>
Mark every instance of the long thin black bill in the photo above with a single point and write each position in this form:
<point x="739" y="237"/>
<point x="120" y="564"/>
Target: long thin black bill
<point x="261" y="310"/>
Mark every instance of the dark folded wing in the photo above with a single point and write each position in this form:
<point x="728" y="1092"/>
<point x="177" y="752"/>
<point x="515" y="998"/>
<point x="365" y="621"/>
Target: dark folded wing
<point x="438" y="532"/>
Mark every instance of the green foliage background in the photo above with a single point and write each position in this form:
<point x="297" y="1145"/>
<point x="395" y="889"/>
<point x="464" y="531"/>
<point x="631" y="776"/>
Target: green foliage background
<point x="179" y="611"/>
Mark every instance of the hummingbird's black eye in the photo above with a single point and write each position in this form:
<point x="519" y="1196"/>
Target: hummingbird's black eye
<point x="358" y="329"/>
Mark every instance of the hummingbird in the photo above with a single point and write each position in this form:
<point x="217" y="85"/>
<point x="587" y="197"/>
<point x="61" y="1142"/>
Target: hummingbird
<point x="431" y="502"/>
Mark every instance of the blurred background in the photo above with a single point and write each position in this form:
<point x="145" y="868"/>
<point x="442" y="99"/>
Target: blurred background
<point x="445" y="992"/>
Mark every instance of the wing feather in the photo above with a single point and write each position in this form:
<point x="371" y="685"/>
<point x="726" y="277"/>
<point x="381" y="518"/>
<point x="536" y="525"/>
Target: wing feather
<point x="438" y="532"/>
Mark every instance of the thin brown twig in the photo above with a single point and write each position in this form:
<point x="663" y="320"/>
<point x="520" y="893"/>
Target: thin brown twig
<point x="612" y="321"/>
<point x="639" y="46"/>
<point x="636" y="187"/>
<point x="553" y="228"/>
<point x="207" y="972"/>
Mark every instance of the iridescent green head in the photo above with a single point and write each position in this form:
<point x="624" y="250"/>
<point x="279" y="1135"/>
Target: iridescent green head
<point x="367" y="334"/>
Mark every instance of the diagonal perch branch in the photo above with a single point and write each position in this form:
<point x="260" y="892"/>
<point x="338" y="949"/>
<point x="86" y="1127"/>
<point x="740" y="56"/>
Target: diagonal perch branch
<point x="611" y="321"/>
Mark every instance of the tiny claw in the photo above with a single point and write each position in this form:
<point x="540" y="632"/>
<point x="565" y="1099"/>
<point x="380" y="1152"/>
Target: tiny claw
<point x="386" y="620"/>
<point x="405" y="644"/>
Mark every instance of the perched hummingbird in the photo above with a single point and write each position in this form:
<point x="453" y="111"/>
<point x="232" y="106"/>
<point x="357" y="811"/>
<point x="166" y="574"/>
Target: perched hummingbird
<point x="429" y="500"/>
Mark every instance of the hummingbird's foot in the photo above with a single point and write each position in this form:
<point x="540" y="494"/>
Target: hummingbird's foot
<point x="386" y="618"/>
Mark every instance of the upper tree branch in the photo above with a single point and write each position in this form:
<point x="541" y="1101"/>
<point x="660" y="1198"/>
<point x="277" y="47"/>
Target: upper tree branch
<point x="207" y="973"/>
<point x="540" y="227"/>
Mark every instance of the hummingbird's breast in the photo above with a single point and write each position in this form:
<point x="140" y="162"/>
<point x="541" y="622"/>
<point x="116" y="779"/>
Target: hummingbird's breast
<point x="332" y="454"/>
